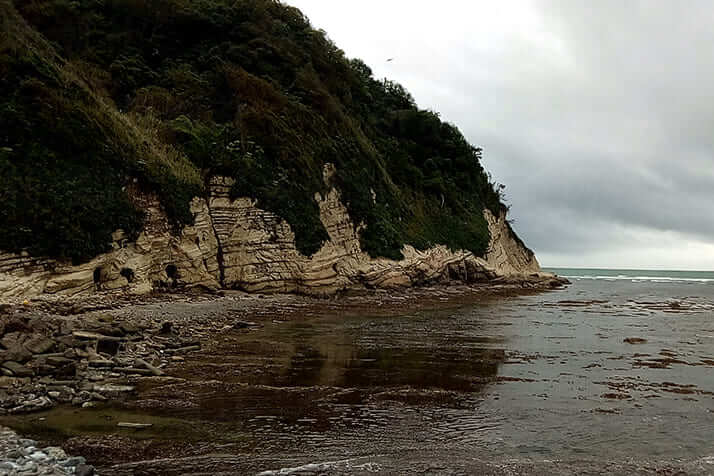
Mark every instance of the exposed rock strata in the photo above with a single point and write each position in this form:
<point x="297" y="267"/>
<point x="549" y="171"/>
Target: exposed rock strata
<point x="234" y="244"/>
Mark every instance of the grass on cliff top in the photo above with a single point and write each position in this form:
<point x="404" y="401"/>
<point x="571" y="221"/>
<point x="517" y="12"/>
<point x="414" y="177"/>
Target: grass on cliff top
<point x="172" y="91"/>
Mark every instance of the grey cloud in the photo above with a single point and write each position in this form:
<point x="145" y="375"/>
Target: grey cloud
<point x="598" y="116"/>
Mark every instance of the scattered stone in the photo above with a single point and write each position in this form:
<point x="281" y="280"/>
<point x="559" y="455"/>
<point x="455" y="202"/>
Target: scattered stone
<point x="51" y="381"/>
<point x="38" y="456"/>
<point x="166" y="328"/>
<point x="13" y="338"/>
<point x="113" y="388"/>
<point x="84" y="470"/>
<point x="57" y="361"/>
<point x="114" y="331"/>
<point x="616" y="396"/>
<point x="16" y="353"/>
<point x="245" y="324"/>
<point x="29" y="468"/>
<point x="8" y="382"/>
<point x="65" y="340"/>
<point x="132" y="370"/>
<point x="74" y="461"/>
<point x="99" y="396"/>
<point x="39" y="344"/>
<point x="14" y="454"/>
<point x="110" y="347"/>
<point x="84" y="335"/>
<point x="151" y="368"/>
<point x="129" y="328"/>
<point x="55" y="452"/>
<point x="18" y="369"/>
<point x="82" y="397"/>
<point x="181" y="350"/>
<point x="33" y="405"/>
<point x="138" y="426"/>
<point x="100" y="363"/>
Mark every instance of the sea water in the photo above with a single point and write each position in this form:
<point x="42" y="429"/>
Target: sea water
<point x="634" y="275"/>
<point x="613" y="374"/>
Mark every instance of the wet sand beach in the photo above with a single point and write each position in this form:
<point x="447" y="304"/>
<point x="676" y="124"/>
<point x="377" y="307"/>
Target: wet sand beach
<point x="602" y="376"/>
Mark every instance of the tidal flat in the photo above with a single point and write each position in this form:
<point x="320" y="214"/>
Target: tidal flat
<point x="601" y="376"/>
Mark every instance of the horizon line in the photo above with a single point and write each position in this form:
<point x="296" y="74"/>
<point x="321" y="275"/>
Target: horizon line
<point x="631" y="269"/>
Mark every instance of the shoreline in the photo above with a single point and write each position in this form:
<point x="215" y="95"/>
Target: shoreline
<point x="284" y="368"/>
<point x="85" y="351"/>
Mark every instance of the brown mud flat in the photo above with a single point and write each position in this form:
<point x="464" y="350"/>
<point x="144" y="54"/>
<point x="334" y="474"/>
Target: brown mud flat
<point x="423" y="380"/>
<point x="87" y="350"/>
<point x="161" y="360"/>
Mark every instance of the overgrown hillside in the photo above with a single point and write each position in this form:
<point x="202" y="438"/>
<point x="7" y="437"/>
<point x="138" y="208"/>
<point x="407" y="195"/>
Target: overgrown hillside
<point x="95" y="94"/>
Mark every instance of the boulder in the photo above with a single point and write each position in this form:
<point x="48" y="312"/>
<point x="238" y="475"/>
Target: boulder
<point x="113" y="390"/>
<point x="84" y="335"/>
<point x="18" y="369"/>
<point x="136" y="426"/>
<point x="33" y="405"/>
<point x="17" y="353"/>
<point x="84" y="470"/>
<point x="39" y="344"/>
<point x="99" y="362"/>
<point x="11" y="339"/>
<point x="57" y="361"/>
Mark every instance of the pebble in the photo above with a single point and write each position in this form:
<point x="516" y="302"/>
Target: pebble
<point x="22" y="456"/>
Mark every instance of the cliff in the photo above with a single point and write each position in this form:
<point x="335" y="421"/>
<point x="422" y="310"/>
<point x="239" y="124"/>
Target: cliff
<point x="234" y="244"/>
<point x="225" y="144"/>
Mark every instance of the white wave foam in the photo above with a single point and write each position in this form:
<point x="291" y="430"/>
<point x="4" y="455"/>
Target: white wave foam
<point x="640" y="279"/>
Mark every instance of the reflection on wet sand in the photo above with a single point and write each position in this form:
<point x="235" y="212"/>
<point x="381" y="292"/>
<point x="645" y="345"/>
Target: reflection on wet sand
<point x="601" y="377"/>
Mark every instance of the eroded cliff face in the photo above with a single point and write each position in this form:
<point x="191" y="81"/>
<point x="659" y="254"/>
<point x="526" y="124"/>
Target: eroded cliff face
<point x="233" y="244"/>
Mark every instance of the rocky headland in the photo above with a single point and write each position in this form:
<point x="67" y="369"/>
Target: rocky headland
<point x="68" y="334"/>
<point x="89" y="350"/>
<point x="253" y="171"/>
<point x="233" y="244"/>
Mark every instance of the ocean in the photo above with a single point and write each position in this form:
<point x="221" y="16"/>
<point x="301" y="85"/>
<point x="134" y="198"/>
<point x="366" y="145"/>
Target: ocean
<point x="634" y="275"/>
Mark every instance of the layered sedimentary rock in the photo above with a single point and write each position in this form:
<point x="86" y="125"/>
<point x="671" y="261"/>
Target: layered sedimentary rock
<point x="157" y="258"/>
<point x="234" y="244"/>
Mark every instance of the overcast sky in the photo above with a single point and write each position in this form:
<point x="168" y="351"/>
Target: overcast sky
<point x="597" y="115"/>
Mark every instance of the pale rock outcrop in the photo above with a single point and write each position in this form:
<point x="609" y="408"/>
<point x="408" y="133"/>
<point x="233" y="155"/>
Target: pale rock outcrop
<point x="139" y="266"/>
<point x="234" y="244"/>
<point x="506" y="253"/>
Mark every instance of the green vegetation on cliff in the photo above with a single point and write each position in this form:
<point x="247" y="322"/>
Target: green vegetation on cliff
<point x="97" y="94"/>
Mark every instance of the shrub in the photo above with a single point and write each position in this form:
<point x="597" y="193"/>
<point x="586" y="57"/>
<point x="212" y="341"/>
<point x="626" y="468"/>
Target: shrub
<point x="177" y="90"/>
